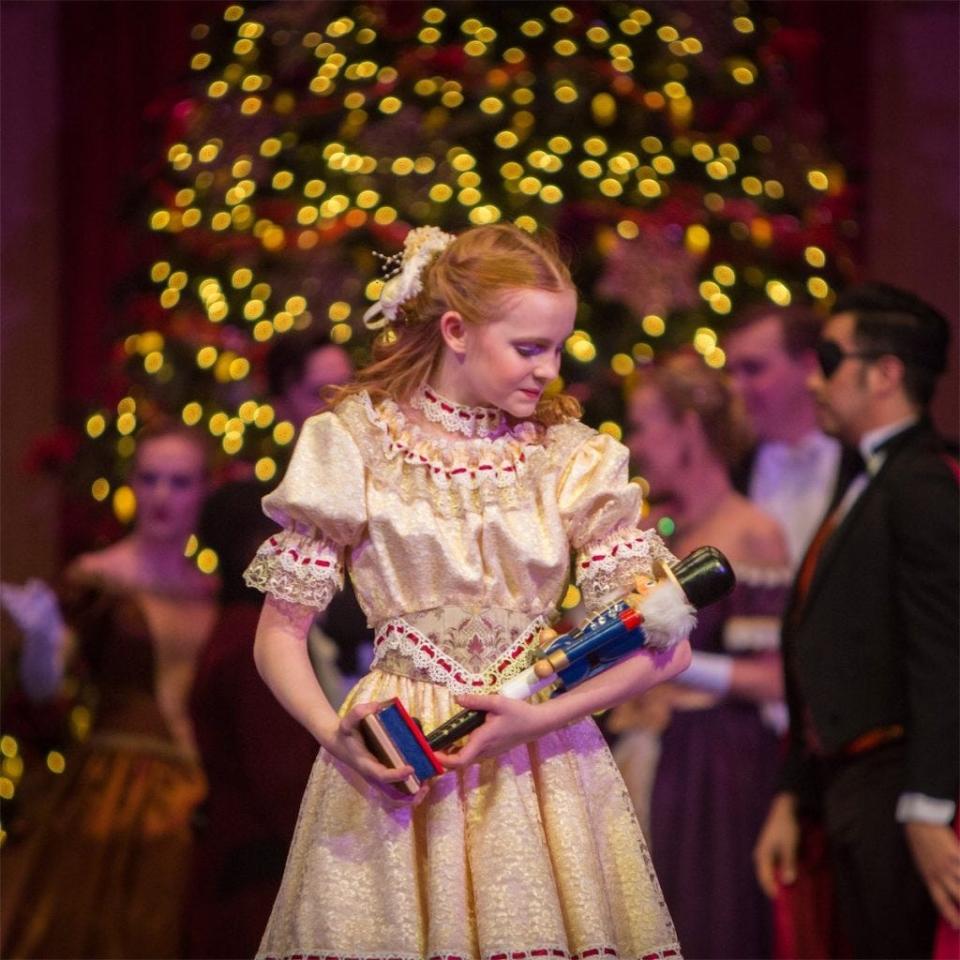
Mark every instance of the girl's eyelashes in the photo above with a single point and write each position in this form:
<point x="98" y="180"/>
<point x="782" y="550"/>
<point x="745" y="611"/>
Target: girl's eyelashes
<point x="528" y="349"/>
<point x="534" y="349"/>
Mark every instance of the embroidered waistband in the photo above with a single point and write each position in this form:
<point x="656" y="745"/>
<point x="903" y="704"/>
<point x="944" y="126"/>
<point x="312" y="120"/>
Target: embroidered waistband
<point x="467" y="652"/>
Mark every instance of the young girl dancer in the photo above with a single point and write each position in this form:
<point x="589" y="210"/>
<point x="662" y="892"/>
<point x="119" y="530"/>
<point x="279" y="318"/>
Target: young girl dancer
<point x="454" y="490"/>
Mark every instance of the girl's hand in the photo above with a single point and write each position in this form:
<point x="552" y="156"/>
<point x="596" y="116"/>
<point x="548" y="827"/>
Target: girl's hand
<point x="507" y="724"/>
<point x="345" y="742"/>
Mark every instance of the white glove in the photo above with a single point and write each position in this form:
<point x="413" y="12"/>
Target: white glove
<point x="708" y="671"/>
<point x="35" y="610"/>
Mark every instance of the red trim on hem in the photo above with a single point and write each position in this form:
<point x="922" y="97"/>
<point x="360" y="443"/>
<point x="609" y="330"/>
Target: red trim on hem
<point x="533" y="954"/>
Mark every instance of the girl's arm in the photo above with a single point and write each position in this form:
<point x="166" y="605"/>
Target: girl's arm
<point x="280" y="652"/>
<point x="511" y="722"/>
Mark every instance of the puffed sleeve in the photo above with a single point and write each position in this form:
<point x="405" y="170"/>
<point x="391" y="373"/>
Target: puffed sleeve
<point x="752" y="624"/>
<point x="320" y="504"/>
<point x="601" y="514"/>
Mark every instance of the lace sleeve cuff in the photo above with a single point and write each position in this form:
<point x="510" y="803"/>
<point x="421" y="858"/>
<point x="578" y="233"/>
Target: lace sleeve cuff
<point x="297" y="568"/>
<point x="606" y="568"/>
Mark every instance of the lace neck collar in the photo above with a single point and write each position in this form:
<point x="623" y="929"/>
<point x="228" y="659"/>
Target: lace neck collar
<point x="448" y="459"/>
<point x="455" y="418"/>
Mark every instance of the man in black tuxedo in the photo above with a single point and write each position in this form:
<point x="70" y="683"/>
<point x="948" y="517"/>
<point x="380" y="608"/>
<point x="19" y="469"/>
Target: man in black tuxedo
<point x="870" y="640"/>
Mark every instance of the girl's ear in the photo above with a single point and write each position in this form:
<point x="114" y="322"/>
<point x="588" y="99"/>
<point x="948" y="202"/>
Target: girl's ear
<point x="453" y="329"/>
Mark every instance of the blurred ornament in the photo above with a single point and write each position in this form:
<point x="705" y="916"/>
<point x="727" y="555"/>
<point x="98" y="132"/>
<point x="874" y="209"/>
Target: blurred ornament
<point x="650" y="274"/>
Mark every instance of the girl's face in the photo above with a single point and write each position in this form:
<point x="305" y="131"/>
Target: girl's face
<point x="169" y="482"/>
<point x="508" y="362"/>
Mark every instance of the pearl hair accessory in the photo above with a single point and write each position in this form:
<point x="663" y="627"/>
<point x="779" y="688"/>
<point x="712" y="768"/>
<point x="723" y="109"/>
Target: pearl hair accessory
<point x="404" y="273"/>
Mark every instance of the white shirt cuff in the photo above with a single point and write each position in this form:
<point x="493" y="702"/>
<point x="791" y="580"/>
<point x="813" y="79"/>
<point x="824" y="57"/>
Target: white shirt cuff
<point x="919" y="808"/>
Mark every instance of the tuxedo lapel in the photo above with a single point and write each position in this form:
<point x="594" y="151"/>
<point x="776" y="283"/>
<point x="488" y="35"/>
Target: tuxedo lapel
<point x="831" y="547"/>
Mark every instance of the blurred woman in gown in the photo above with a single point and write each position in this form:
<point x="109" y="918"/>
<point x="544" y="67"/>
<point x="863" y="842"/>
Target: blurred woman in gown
<point x="700" y="754"/>
<point x="103" y="867"/>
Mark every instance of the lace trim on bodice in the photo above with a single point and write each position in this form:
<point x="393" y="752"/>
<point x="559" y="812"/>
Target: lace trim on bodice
<point x="466" y="652"/>
<point x="458" y="476"/>
<point x="297" y="568"/>
<point x="606" y="569"/>
<point x="470" y="421"/>
<point x="500" y="460"/>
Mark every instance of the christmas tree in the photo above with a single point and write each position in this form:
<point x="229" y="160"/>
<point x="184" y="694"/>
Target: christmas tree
<point x="661" y="142"/>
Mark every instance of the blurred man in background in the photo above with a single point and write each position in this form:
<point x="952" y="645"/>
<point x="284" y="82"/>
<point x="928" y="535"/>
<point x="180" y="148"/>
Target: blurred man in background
<point x="795" y="471"/>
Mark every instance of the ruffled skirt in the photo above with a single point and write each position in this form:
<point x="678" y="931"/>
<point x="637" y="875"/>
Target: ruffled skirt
<point x="536" y="853"/>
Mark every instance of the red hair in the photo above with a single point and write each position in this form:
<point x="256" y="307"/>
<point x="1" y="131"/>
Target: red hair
<point x="471" y="277"/>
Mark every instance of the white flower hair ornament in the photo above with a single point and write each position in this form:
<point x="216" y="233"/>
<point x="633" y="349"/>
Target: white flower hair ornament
<point x="404" y="272"/>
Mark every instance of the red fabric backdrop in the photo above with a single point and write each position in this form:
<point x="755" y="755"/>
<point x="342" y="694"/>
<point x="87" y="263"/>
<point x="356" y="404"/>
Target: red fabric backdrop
<point x="122" y="62"/>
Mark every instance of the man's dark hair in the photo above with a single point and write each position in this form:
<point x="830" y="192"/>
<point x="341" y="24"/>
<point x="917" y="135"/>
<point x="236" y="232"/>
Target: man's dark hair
<point x="894" y="321"/>
<point x="799" y="325"/>
<point x="287" y="358"/>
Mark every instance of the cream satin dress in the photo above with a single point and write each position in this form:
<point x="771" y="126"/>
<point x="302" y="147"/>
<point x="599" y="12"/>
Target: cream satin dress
<point x="460" y="547"/>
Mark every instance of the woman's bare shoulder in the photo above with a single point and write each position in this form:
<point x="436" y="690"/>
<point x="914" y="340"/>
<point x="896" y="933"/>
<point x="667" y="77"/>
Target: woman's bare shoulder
<point x="120" y="568"/>
<point x="761" y="536"/>
<point x="110" y="563"/>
